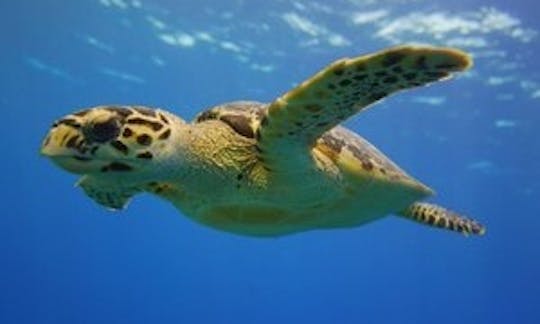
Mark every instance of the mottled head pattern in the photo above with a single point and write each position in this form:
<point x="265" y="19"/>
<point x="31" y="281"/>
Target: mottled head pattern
<point x="108" y="139"/>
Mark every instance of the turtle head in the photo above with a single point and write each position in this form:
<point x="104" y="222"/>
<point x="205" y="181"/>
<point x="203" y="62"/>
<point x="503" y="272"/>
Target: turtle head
<point x="112" y="140"/>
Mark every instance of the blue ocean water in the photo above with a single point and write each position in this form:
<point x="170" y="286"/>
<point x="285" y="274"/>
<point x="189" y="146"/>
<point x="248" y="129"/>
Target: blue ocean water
<point x="474" y="139"/>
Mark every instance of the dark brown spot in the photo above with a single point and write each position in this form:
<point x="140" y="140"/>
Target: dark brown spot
<point x="397" y="69"/>
<point x="259" y="112"/>
<point x="165" y="134"/>
<point x="81" y="113"/>
<point x="127" y="132"/>
<point x="64" y="138"/>
<point x="437" y="75"/>
<point x="367" y="165"/>
<point x="163" y="119"/>
<point x="345" y="82"/>
<point x="336" y="144"/>
<point x="239" y="176"/>
<point x="144" y="139"/>
<point x="141" y="121"/>
<point x="72" y="142"/>
<point x="81" y="158"/>
<point x="392" y="58"/>
<point x="120" y="146"/>
<point x="120" y="111"/>
<point x="145" y="111"/>
<point x="446" y="66"/>
<point x="321" y="94"/>
<point x="421" y="63"/>
<point x="47" y="140"/>
<point x="390" y="79"/>
<point x="410" y="76"/>
<point x="360" y="67"/>
<point x="102" y="132"/>
<point x="338" y="72"/>
<point x="313" y="107"/>
<point x="377" y="96"/>
<point x="362" y="155"/>
<point x="240" y="124"/>
<point x="69" y="122"/>
<point x="441" y="222"/>
<point x="117" y="166"/>
<point x="207" y="115"/>
<point x="360" y="77"/>
<point x="145" y="155"/>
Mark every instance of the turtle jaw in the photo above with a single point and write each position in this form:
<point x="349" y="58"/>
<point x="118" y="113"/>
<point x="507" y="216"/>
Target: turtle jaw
<point x="76" y="165"/>
<point x="84" y="161"/>
<point x="69" y="159"/>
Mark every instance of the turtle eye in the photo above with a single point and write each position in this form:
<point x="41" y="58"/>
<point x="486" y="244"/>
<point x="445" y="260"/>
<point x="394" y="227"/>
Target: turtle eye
<point x="102" y="132"/>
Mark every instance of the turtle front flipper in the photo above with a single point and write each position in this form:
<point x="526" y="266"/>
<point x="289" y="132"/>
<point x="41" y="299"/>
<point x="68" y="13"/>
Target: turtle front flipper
<point x="295" y="120"/>
<point x="112" y="196"/>
<point x="437" y="216"/>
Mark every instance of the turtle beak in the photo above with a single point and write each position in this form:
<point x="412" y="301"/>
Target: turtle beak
<point x="60" y="141"/>
<point x="62" y="144"/>
<point x="51" y="151"/>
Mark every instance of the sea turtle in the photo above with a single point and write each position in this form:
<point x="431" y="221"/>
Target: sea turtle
<point x="264" y="169"/>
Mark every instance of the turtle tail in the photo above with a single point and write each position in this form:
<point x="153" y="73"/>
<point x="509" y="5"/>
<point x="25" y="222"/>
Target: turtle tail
<point x="437" y="216"/>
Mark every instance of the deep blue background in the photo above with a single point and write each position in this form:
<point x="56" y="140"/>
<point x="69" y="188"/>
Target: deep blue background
<point x="66" y="260"/>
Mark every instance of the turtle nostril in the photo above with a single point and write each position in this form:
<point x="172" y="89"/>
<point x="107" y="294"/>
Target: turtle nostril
<point x="102" y="131"/>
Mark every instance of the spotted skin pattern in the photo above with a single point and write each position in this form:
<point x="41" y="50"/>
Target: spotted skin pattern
<point x="345" y="88"/>
<point x="114" y="198"/>
<point x="264" y="169"/>
<point x="125" y="129"/>
<point x="434" y="215"/>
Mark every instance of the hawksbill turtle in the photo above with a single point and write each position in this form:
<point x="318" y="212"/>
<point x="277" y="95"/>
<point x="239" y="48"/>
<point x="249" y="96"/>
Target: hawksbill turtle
<point x="262" y="169"/>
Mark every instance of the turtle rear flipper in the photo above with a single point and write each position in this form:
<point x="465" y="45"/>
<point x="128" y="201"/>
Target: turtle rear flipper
<point x="437" y="216"/>
<point x="109" y="195"/>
